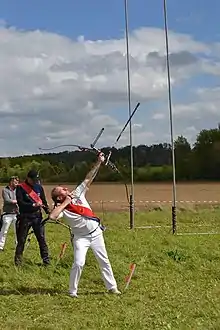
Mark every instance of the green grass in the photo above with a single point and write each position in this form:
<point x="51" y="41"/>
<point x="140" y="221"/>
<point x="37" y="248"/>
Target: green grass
<point x="175" y="286"/>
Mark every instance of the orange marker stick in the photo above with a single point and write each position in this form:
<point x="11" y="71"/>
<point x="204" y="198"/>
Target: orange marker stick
<point x="128" y="278"/>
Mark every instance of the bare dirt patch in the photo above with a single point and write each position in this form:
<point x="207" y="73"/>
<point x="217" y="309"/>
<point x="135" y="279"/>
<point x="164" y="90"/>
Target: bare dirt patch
<point x="113" y="196"/>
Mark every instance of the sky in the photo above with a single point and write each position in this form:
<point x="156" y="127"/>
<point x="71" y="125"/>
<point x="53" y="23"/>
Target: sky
<point x="63" y="72"/>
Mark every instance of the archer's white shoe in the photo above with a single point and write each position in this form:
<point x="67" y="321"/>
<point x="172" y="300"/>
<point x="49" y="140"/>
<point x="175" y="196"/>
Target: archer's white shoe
<point x="73" y="295"/>
<point x="114" y="291"/>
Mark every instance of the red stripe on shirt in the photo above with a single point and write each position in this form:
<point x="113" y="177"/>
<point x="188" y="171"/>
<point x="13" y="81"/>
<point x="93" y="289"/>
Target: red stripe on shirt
<point x="81" y="210"/>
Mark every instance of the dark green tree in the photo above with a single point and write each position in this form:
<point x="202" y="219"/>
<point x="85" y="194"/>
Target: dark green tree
<point x="183" y="158"/>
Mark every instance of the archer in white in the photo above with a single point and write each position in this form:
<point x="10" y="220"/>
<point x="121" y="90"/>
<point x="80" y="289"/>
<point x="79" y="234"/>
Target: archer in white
<point x="86" y="229"/>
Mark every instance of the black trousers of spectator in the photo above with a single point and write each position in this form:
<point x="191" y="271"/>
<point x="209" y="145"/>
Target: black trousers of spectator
<point x="24" y="223"/>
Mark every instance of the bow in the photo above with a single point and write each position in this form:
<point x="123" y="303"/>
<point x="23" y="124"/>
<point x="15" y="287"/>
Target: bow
<point x="84" y="149"/>
<point x="97" y="151"/>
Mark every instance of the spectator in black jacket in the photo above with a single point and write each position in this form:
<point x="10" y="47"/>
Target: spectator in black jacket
<point x="31" y="199"/>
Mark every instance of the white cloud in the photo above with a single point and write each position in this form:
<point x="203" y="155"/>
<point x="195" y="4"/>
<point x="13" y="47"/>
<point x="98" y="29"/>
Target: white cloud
<point x="54" y="90"/>
<point x="158" y="116"/>
<point x="192" y="117"/>
<point x="190" y="129"/>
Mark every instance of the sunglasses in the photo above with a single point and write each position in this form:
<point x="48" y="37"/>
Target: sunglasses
<point x="14" y="178"/>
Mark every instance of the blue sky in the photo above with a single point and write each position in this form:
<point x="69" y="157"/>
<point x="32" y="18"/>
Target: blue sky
<point x="104" y="20"/>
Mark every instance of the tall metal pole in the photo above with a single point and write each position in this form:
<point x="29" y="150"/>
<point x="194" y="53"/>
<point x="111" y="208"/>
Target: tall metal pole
<point x="129" y="111"/>
<point x="171" y="118"/>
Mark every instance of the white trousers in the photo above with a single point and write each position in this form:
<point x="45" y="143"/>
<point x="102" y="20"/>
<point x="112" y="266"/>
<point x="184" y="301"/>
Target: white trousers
<point x="7" y="220"/>
<point x="81" y="246"/>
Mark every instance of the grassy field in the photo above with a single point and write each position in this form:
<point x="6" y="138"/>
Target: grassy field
<point x="175" y="286"/>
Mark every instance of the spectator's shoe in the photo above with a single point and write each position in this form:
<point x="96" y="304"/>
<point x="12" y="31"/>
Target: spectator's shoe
<point x="17" y="262"/>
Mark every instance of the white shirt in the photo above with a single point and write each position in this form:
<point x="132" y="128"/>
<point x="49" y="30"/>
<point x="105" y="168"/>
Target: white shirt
<point x="79" y="224"/>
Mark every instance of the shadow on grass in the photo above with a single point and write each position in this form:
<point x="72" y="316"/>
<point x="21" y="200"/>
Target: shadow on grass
<point x="42" y="291"/>
<point x="27" y="264"/>
<point x="95" y="293"/>
<point x="28" y="291"/>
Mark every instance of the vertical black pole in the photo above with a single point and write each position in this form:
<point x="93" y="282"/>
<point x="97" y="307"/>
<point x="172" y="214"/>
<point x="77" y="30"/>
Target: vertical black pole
<point x="131" y="208"/>
<point x="171" y="118"/>
<point x="129" y="115"/>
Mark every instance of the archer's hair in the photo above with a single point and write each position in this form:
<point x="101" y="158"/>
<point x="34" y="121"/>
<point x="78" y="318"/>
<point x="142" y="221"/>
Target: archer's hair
<point x="54" y="196"/>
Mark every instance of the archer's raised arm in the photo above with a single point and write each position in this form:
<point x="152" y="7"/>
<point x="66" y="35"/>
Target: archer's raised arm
<point x="82" y="188"/>
<point x="93" y="172"/>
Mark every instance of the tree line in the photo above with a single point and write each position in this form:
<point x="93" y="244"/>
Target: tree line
<point x="151" y="163"/>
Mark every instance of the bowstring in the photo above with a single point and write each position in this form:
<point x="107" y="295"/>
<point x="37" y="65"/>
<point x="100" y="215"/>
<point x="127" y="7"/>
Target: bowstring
<point x="48" y="220"/>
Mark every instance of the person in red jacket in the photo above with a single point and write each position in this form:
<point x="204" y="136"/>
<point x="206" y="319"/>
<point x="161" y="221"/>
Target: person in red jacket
<point x="31" y="200"/>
